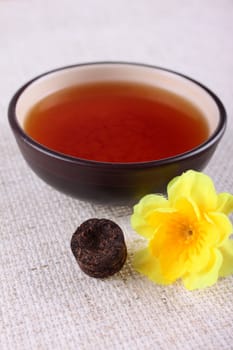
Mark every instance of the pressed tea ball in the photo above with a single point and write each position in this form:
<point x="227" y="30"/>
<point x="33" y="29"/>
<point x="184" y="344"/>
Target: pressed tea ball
<point x="99" y="247"/>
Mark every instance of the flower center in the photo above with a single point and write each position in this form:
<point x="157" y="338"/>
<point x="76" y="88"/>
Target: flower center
<point x="188" y="234"/>
<point x="184" y="229"/>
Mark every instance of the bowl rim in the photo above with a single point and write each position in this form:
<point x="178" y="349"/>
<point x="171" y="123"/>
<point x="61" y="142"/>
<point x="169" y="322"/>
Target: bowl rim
<point x="17" y="129"/>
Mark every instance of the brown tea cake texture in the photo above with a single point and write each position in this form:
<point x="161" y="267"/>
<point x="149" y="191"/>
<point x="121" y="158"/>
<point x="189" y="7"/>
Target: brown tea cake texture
<point x="99" y="247"/>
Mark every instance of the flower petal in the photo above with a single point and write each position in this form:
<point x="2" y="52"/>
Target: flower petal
<point x="166" y="238"/>
<point x="158" y="218"/>
<point x="196" y="186"/>
<point x="150" y="202"/>
<point x="139" y="220"/>
<point x="198" y="260"/>
<point x="169" y="250"/>
<point x="227" y="252"/>
<point x="145" y="263"/>
<point x="220" y="227"/>
<point x="187" y="207"/>
<point x="173" y="264"/>
<point x="225" y="203"/>
<point x="206" y="277"/>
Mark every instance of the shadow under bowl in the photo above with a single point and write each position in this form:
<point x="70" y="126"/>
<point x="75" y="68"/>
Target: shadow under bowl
<point x="113" y="183"/>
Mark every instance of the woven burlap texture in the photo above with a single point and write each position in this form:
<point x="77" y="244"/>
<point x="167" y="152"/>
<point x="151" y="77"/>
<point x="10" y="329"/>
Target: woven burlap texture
<point x="46" y="302"/>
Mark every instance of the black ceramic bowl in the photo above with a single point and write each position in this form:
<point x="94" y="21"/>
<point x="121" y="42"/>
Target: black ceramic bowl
<point x="113" y="182"/>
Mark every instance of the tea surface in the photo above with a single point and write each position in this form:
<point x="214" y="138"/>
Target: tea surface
<point x="116" y="122"/>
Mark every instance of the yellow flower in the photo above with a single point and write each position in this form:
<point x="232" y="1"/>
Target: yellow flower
<point x="188" y="233"/>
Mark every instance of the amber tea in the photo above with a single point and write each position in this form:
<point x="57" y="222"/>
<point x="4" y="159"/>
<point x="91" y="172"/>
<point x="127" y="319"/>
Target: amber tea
<point x="117" y="122"/>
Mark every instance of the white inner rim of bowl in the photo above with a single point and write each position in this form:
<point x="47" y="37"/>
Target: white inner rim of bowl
<point x="101" y="72"/>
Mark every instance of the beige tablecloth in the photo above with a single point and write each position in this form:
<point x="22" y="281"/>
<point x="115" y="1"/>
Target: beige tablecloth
<point x="46" y="301"/>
